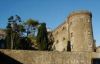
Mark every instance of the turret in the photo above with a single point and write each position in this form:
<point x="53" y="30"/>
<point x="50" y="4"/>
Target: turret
<point x="80" y="31"/>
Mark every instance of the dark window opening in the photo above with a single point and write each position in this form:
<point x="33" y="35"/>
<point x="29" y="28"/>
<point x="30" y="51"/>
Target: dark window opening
<point x="63" y="38"/>
<point x="63" y="28"/>
<point x="69" y="46"/>
<point x="96" y="61"/>
<point x="94" y="50"/>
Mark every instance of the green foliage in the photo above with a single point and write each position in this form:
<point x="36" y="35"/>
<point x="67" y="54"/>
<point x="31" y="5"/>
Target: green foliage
<point x="21" y="28"/>
<point x="31" y="26"/>
<point x="42" y="38"/>
<point x="14" y="40"/>
<point x="33" y="40"/>
<point x="8" y="42"/>
<point x="12" y="31"/>
<point x="26" y="44"/>
<point x="32" y="22"/>
<point x="8" y="36"/>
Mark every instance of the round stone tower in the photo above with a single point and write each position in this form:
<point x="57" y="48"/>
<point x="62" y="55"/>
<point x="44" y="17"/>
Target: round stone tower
<point x="80" y="31"/>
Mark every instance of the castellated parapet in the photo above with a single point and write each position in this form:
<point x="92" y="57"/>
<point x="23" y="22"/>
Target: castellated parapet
<point x="75" y="34"/>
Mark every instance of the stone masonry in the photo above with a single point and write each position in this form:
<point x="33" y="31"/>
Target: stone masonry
<point x="53" y="57"/>
<point x="75" y="33"/>
<point x="74" y="38"/>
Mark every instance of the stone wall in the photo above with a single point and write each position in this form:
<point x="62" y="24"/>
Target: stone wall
<point x="51" y="57"/>
<point x="77" y="31"/>
<point x="98" y="49"/>
<point x="60" y="37"/>
<point x="2" y="34"/>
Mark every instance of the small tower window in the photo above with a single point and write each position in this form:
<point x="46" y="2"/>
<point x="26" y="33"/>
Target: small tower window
<point x="68" y="46"/>
<point x="63" y="38"/>
<point x="63" y="28"/>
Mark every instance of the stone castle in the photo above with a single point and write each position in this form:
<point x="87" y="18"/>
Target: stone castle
<point x="75" y="34"/>
<point x="74" y="38"/>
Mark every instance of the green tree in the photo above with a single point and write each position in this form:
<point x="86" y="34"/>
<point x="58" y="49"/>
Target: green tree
<point x="31" y="26"/>
<point x="13" y="36"/>
<point x="32" y="22"/>
<point x="8" y="38"/>
<point x="42" y="38"/>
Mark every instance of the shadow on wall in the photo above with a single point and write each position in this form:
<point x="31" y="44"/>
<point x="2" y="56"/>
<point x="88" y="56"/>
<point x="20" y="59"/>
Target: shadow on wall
<point x="4" y="59"/>
<point x="96" y="61"/>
